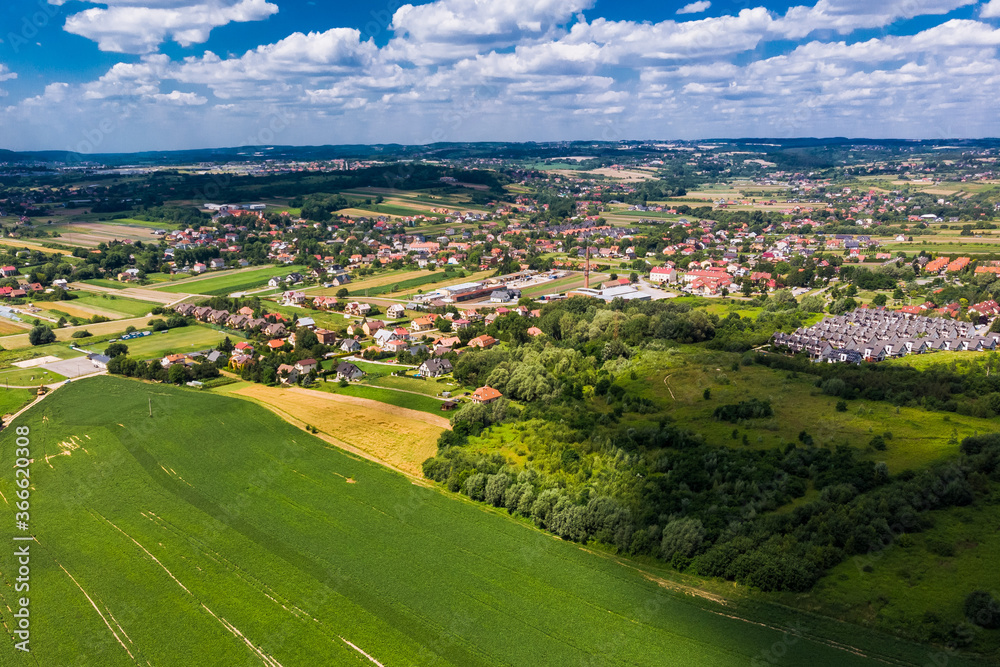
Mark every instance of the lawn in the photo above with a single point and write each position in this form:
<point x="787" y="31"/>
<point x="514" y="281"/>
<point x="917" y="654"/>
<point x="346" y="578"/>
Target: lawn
<point x="231" y="282"/>
<point x="214" y="533"/>
<point x="24" y="377"/>
<point x="430" y="386"/>
<point x="398" y="398"/>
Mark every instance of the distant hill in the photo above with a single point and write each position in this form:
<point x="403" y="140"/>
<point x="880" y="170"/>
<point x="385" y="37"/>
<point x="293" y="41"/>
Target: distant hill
<point x="509" y="150"/>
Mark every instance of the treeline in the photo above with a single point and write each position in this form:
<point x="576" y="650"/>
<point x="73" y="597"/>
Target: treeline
<point x="710" y="511"/>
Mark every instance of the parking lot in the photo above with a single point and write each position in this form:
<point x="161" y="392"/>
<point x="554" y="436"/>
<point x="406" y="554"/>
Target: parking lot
<point x="72" y="368"/>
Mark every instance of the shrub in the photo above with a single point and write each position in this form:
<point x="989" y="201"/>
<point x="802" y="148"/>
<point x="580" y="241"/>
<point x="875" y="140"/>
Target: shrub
<point x="81" y="334"/>
<point x="752" y="409"/>
<point x="983" y="610"/>
<point x="841" y="406"/>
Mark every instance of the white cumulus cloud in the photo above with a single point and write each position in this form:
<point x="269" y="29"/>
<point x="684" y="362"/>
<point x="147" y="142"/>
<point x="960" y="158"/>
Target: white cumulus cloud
<point x="695" y="7"/>
<point x="990" y="10"/>
<point x="140" y="26"/>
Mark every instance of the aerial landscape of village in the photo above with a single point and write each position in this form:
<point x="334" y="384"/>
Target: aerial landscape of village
<point x="510" y="397"/>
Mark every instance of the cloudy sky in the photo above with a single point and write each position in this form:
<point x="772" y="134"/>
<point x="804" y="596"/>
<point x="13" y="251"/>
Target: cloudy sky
<point x="129" y="75"/>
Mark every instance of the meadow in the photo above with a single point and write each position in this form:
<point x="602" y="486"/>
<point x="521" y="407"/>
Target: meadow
<point x="934" y="569"/>
<point x="678" y="379"/>
<point x="214" y="533"/>
<point x="231" y="282"/>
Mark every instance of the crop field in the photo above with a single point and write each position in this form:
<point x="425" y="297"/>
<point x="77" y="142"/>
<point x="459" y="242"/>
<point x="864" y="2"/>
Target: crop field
<point x="12" y="327"/>
<point x="18" y="244"/>
<point x="103" y="282"/>
<point x="678" y="380"/>
<point x="232" y="282"/>
<point x="92" y="234"/>
<point x="444" y="280"/>
<point x="262" y="545"/>
<point x="403" y="438"/>
<point x="66" y="333"/>
<point x="111" y="306"/>
<point x="182" y="340"/>
<point x="381" y="279"/>
<point x="406" y="285"/>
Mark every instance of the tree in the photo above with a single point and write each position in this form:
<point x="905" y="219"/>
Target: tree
<point x="681" y="540"/>
<point x="115" y="350"/>
<point x="226" y="346"/>
<point x="707" y="394"/>
<point x="177" y="374"/>
<point x="41" y="335"/>
<point x="342" y="292"/>
<point x="841" y="406"/>
<point x="880" y="299"/>
<point x="982" y="609"/>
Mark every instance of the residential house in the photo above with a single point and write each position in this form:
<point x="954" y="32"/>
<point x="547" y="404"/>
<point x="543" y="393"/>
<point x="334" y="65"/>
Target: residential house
<point x="348" y="371"/>
<point x="435" y="368"/>
<point x="485" y="395"/>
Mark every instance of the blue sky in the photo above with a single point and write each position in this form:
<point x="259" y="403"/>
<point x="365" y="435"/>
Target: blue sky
<point x="130" y="75"/>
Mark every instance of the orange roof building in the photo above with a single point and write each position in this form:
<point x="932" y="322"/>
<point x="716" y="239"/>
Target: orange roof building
<point x="485" y="395"/>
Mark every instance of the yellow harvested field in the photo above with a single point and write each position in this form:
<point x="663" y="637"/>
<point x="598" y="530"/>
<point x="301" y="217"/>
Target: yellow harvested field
<point x="630" y="175"/>
<point x="11" y="327"/>
<point x="28" y="245"/>
<point x="397" y="437"/>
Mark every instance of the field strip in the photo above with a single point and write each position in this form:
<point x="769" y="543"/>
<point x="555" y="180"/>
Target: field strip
<point x="393" y="433"/>
<point x="433" y="420"/>
<point x="362" y="652"/>
<point x="99" y="612"/>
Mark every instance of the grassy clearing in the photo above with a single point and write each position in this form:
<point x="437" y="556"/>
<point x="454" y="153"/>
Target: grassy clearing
<point x="935" y="570"/>
<point x="12" y="400"/>
<point x="263" y="541"/>
<point x="429" y="387"/>
<point x="678" y="380"/>
<point x="226" y="284"/>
